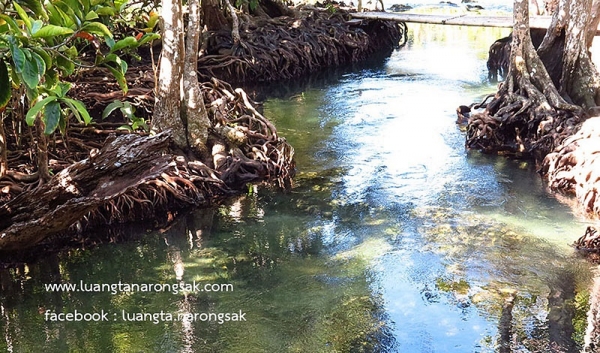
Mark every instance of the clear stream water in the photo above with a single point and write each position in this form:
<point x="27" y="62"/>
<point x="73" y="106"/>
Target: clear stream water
<point x="394" y="238"/>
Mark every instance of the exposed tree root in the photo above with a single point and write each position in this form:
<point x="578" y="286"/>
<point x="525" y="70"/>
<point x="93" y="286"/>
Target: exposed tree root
<point x="574" y="166"/>
<point x="141" y="177"/>
<point x="287" y="47"/>
<point x="529" y="117"/>
<point x="590" y="241"/>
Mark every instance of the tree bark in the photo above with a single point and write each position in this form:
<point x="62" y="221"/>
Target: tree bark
<point x="195" y="112"/>
<point x="167" y="106"/>
<point x="42" y="150"/>
<point x="3" y="146"/>
<point x="580" y="80"/>
<point x="235" y="23"/>
<point x="213" y="17"/>
<point x="120" y="167"/>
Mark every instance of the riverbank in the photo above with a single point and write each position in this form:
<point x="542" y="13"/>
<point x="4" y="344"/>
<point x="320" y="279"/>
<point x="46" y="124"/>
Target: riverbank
<point x="132" y="177"/>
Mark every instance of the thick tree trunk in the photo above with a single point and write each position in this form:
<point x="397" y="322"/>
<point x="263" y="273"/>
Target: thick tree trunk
<point x="528" y="116"/>
<point x="580" y="80"/>
<point x="213" y="17"/>
<point x="594" y="22"/>
<point x="195" y="111"/>
<point x="167" y="106"/>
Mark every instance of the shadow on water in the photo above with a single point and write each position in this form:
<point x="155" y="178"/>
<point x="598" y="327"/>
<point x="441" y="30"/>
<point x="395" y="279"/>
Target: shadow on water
<point x="393" y="239"/>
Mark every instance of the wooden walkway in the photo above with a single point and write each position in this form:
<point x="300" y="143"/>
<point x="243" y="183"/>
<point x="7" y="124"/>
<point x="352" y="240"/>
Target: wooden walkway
<point x="457" y="20"/>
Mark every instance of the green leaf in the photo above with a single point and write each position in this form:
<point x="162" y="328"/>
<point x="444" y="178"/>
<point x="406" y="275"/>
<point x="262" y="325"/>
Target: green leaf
<point x="148" y="37"/>
<point x="23" y="15"/>
<point x="71" y="52"/>
<point x="37" y="7"/>
<point x="58" y="17"/>
<point x="35" y="26"/>
<point x="18" y="57"/>
<point x="120" y="78"/>
<point x="61" y="89"/>
<point x="52" y="31"/>
<point x="65" y="65"/>
<point x="78" y="108"/>
<point x="32" y="70"/>
<point x="97" y="28"/>
<point x="62" y="126"/>
<point x="120" y="4"/>
<point x="127" y="42"/>
<point x="51" y="117"/>
<point x="5" y="89"/>
<point x="125" y="127"/>
<point x="111" y="108"/>
<point x="33" y="112"/>
<point x="41" y="63"/>
<point x="105" y="11"/>
<point x="44" y="54"/>
<point x="76" y="7"/>
<point x="128" y="110"/>
<point x="69" y="12"/>
<point x="92" y="15"/>
<point x="12" y="23"/>
<point x="51" y="77"/>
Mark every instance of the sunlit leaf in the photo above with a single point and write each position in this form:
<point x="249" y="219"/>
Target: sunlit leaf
<point x="92" y="15"/>
<point x="153" y="20"/>
<point x="127" y="42"/>
<point x="33" y="112"/>
<point x="52" y="31"/>
<point x="37" y="7"/>
<point x="148" y="37"/>
<point x="51" y="117"/>
<point x="23" y="15"/>
<point x="78" y="107"/>
<point x="35" y="26"/>
<point x="120" y="4"/>
<point x="105" y="11"/>
<point x="97" y="28"/>
<point x="11" y="22"/>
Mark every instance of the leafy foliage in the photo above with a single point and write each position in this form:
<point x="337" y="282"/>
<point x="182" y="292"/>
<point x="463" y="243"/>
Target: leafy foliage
<point x="40" y="45"/>
<point x="128" y="111"/>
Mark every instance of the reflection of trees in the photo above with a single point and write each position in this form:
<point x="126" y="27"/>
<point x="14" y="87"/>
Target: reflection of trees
<point x="592" y="334"/>
<point x="266" y="245"/>
<point x="539" y="316"/>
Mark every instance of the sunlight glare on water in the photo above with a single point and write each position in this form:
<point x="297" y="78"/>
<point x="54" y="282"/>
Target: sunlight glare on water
<point x="393" y="239"/>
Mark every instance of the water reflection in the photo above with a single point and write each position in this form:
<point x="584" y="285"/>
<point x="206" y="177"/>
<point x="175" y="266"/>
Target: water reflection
<point x="393" y="240"/>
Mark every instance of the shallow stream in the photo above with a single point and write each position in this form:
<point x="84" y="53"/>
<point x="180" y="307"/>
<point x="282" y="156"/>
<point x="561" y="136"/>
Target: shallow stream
<point x="394" y="238"/>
